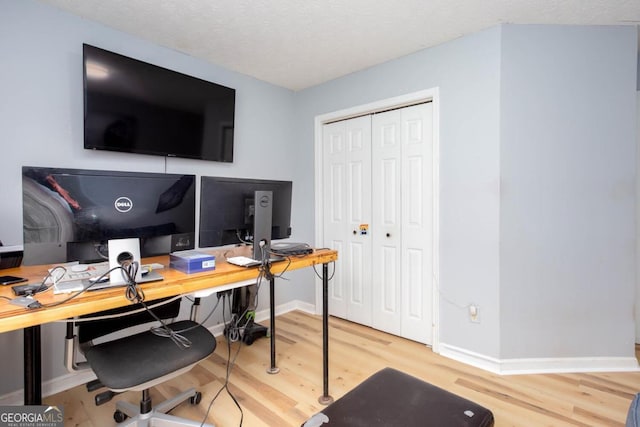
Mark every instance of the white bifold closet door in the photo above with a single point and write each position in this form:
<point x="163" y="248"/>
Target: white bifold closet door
<point x="378" y="213"/>
<point x="347" y="205"/>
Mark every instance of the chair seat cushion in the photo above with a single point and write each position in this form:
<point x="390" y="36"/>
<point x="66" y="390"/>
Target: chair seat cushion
<point x="391" y="398"/>
<point x="136" y="359"/>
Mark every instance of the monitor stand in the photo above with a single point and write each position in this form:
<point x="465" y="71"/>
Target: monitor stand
<point x="122" y="253"/>
<point x="263" y="202"/>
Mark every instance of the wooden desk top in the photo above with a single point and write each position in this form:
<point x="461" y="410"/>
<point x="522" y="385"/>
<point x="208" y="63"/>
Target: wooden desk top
<point x="13" y="317"/>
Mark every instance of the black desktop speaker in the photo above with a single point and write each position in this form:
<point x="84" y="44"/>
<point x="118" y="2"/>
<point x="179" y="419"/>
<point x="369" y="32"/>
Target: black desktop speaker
<point x="86" y="252"/>
<point x="10" y="258"/>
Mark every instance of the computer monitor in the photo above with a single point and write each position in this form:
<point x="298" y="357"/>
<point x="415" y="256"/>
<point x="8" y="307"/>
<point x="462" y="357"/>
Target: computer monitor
<point x="70" y="214"/>
<point x="228" y="210"/>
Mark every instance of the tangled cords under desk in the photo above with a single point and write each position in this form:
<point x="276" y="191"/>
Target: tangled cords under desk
<point x="135" y="295"/>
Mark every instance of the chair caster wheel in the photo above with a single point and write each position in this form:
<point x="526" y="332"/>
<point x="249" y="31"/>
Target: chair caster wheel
<point x="196" y="398"/>
<point x="119" y="416"/>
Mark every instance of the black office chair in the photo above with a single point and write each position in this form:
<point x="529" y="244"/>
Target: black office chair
<point x="141" y="360"/>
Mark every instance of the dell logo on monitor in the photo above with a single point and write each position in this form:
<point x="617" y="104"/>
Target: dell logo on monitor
<point x="123" y="204"/>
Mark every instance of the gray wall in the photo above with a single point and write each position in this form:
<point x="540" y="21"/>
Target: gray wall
<point x="567" y="218"/>
<point x="537" y="149"/>
<point x="41" y="117"/>
<point x="467" y="72"/>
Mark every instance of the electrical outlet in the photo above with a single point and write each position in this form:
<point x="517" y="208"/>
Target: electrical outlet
<point x="474" y="313"/>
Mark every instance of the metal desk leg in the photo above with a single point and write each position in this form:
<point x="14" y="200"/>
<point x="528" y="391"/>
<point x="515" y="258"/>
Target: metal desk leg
<point x="32" y="366"/>
<point x="325" y="399"/>
<point x="194" y="309"/>
<point x="272" y="332"/>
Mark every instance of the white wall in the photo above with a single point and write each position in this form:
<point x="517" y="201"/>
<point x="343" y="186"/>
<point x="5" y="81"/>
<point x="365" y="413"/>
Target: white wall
<point x="41" y="122"/>
<point x="567" y="218"/>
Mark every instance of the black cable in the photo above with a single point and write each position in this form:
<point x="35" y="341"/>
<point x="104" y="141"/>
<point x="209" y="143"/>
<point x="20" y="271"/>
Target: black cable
<point x="74" y="295"/>
<point x="102" y="250"/>
<point x="111" y="316"/>
<point x="50" y="274"/>
<point x="135" y="295"/>
<point x="241" y="240"/>
<point x="333" y="263"/>
<point x="288" y="258"/>
<point x="198" y="324"/>
<point x="44" y="287"/>
<point x="258" y="283"/>
<point x="230" y="364"/>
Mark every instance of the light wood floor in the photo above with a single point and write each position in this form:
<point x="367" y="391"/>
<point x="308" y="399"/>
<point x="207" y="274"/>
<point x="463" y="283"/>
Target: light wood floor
<point x="356" y="352"/>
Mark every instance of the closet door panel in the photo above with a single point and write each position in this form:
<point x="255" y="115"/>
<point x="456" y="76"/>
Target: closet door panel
<point x="347" y="206"/>
<point x="386" y="214"/>
<point x="417" y="220"/>
<point x="334" y="210"/>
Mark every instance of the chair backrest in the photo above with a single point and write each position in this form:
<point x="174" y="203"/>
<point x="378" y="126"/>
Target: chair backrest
<point x="90" y="330"/>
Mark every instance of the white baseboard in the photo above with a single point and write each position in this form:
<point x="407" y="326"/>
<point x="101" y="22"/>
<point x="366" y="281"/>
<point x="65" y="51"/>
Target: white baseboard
<point x="540" y="365"/>
<point x="53" y="386"/>
<point x="70" y="380"/>
<point x="470" y="358"/>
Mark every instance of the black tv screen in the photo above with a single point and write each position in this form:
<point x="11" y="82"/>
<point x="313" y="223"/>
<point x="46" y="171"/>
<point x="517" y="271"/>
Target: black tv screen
<point x="70" y="214"/>
<point x="133" y="106"/>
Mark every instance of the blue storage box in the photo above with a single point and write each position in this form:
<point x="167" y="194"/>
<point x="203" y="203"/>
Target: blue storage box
<point x="192" y="261"/>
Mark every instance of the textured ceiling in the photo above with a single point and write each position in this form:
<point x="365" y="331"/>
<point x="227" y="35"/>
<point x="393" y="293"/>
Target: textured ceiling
<point x="301" y="43"/>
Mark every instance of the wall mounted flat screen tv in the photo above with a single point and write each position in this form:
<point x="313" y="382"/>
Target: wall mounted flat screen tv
<point x="70" y="214"/>
<point x="133" y="106"/>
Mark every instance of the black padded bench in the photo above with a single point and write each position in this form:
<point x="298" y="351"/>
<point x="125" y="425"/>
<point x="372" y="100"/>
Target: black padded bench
<point x="391" y="398"/>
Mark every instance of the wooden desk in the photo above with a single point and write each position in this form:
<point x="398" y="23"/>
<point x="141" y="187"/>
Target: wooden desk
<point x="175" y="282"/>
